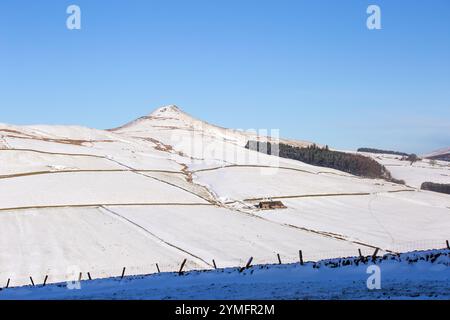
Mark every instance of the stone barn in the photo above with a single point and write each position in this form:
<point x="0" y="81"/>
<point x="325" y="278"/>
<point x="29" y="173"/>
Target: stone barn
<point x="271" y="205"/>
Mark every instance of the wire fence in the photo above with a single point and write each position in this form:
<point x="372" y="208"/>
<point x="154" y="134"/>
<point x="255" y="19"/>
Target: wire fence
<point x="38" y="276"/>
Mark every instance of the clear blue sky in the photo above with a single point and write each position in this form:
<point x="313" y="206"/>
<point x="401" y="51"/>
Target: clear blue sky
<point x="310" y="68"/>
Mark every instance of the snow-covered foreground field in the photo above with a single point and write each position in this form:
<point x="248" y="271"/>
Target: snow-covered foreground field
<point x="168" y="187"/>
<point x="419" y="275"/>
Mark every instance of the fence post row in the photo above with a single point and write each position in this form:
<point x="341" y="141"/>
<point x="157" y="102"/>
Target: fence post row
<point x="180" y="272"/>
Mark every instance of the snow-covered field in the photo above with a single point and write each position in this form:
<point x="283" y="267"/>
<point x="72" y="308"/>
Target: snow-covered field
<point x="168" y="187"/>
<point x="416" y="173"/>
<point x="420" y="275"/>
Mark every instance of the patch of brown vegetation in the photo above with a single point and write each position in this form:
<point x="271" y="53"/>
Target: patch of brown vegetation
<point x="16" y="132"/>
<point x="187" y="173"/>
<point x="164" y="147"/>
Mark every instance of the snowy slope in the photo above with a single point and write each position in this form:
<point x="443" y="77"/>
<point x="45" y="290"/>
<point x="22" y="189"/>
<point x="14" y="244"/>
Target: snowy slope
<point x="417" y="173"/>
<point x="169" y="187"/>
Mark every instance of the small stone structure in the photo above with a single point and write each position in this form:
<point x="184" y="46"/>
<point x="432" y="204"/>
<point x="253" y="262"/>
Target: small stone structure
<point x="271" y="205"/>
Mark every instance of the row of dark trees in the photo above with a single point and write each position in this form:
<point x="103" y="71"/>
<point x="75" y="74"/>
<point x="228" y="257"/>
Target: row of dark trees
<point x="355" y="164"/>
<point x="405" y="156"/>
<point x="436" y="187"/>
<point x="373" y="150"/>
<point x="441" y="157"/>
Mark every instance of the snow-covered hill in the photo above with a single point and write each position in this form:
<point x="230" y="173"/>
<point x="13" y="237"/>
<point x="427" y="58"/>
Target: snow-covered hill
<point x="169" y="187"/>
<point x="441" y="154"/>
<point x="414" y="174"/>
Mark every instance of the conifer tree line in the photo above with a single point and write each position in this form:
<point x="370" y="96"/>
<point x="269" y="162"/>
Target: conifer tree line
<point x="373" y="150"/>
<point x="411" y="157"/>
<point x="355" y="164"/>
<point x="436" y="187"/>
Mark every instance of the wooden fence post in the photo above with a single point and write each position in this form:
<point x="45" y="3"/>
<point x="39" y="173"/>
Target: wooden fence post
<point x="182" y="266"/>
<point x="45" y="281"/>
<point x="279" y="258"/>
<point x="300" y="253"/>
<point x="248" y="265"/>
<point x="214" y="264"/>
<point x="32" y="282"/>
<point x="361" y="257"/>
<point x="375" y="253"/>
<point x="123" y="272"/>
<point x="157" y="268"/>
<point x="374" y="256"/>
